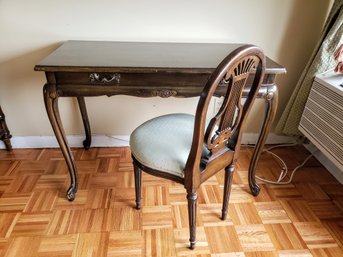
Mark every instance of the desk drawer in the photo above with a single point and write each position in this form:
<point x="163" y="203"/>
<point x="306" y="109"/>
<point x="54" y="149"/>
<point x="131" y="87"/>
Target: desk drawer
<point x="87" y="78"/>
<point x="70" y="83"/>
<point x="162" y="84"/>
<point x="131" y="79"/>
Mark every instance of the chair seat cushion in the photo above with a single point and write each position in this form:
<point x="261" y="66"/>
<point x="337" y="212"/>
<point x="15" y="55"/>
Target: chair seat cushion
<point x="164" y="143"/>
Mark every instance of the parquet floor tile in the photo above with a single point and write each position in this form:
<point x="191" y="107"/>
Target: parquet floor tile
<point x="285" y="236"/>
<point x="272" y="212"/>
<point x="299" y="211"/>
<point x="79" y="202"/>
<point x="51" y="182"/>
<point x="209" y="214"/>
<point x="155" y="195"/>
<point x="181" y="236"/>
<point x="254" y="238"/>
<point x="91" y="244"/>
<point x="327" y="252"/>
<point x="325" y="210"/>
<point x="159" y="242"/>
<point x="23" y="246"/>
<point x="157" y="217"/>
<point x="4" y="245"/>
<point x="244" y="213"/>
<point x="35" y="224"/>
<point x="62" y="246"/>
<point x="315" y="235"/>
<point x="241" y="194"/>
<point x="233" y="254"/>
<point x="125" y="243"/>
<point x="41" y="201"/>
<point x="286" y="192"/>
<point x="262" y="254"/>
<point x="177" y="194"/>
<point x="295" y="253"/>
<point x="208" y="194"/>
<point x="14" y="202"/>
<point x="222" y="239"/>
<point x="7" y="221"/>
<point x="311" y="192"/>
<point x="301" y="219"/>
<point x="335" y="227"/>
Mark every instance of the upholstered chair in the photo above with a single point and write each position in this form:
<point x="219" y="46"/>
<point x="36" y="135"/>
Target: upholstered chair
<point x="190" y="149"/>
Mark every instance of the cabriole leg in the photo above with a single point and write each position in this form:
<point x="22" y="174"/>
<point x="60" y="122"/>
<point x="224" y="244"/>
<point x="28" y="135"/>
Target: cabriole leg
<point x="51" y="105"/>
<point x="83" y="110"/>
<point x="272" y="100"/>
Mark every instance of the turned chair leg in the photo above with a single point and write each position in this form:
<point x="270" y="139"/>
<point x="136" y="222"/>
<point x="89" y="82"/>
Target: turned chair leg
<point x="138" y="185"/>
<point x="192" y="207"/>
<point x="227" y="189"/>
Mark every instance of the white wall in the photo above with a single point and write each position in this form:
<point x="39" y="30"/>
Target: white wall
<point x="286" y="29"/>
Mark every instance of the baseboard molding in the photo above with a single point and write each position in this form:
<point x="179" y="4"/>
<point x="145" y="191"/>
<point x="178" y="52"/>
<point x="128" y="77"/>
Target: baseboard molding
<point x="326" y="162"/>
<point x="114" y="141"/>
<point x="73" y="140"/>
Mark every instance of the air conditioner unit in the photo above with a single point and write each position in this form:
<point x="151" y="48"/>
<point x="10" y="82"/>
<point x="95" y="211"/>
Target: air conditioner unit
<point x="322" y="119"/>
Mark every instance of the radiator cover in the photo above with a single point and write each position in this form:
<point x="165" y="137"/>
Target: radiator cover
<point x="322" y="119"/>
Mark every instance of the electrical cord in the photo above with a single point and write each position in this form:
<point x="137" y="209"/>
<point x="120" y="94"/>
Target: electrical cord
<point x="284" y="169"/>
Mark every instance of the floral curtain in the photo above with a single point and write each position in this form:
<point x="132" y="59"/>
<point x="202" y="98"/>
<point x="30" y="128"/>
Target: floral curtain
<point x="321" y="60"/>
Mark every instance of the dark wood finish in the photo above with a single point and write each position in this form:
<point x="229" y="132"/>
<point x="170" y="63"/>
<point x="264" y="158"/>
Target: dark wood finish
<point x="82" y="105"/>
<point x="86" y="68"/>
<point x="5" y="135"/>
<point x="138" y="185"/>
<point x="192" y="198"/>
<point x="272" y="101"/>
<point x="51" y="105"/>
<point x="227" y="189"/>
<point x="222" y="136"/>
<point x="144" y="69"/>
<point x="144" y="57"/>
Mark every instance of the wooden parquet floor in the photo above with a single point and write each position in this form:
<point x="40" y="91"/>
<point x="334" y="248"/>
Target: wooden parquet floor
<point x="302" y="219"/>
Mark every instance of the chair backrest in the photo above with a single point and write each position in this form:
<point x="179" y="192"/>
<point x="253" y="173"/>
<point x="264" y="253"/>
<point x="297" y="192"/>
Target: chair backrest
<point x="223" y="133"/>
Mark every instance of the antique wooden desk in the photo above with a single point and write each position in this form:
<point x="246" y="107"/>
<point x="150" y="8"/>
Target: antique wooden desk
<point x="89" y="68"/>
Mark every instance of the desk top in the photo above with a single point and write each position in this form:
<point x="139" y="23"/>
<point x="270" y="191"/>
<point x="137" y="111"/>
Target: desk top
<point x="74" y="56"/>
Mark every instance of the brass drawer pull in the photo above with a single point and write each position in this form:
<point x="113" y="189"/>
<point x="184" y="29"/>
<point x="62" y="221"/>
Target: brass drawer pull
<point x="96" y="77"/>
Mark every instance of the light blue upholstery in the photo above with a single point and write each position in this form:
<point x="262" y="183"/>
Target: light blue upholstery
<point x="164" y="143"/>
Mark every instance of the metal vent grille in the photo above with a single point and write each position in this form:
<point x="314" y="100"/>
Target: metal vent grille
<point x="322" y="122"/>
<point x="328" y="94"/>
